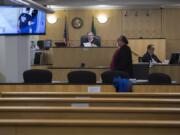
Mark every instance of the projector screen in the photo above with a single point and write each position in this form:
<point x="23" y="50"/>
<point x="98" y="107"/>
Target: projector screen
<point x="22" y="21"/>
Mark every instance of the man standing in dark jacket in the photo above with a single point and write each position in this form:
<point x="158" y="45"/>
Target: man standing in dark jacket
<point x="122" y="59"/>
<point x="149" y="56"/>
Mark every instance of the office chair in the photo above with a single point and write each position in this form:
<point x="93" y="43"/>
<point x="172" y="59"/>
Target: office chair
<point x="159" y="78"/>
<point x="80" y="77"/>
<point x="141" y="71"/>
<point x="37" y="76"/>
<point x="84" y="38"/>
<point x="108" y="76"/>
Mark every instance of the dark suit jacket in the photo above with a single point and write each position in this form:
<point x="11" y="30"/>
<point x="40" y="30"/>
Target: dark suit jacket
<point x="147" y="58"/>
<point x="95" y="42"/>
<point x="123" y="60"/>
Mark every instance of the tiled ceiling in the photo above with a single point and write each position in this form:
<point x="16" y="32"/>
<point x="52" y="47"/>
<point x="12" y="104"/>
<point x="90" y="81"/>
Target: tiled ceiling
<point x="105" y="3"/>
<point x="115" y="3"/>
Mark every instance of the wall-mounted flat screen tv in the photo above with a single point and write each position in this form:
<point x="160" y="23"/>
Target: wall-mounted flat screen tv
<point x="22" y="21"/>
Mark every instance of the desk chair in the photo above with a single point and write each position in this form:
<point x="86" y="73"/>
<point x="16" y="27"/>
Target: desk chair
<point x="141" y="71"/>
<point x="37" y="76"/>
<point x="81" y="77"/>
<point x="108" y="76"/>
<point x="159" y="78"/>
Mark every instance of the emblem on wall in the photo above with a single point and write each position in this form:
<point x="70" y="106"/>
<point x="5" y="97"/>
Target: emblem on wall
<point x="77" y="22"/>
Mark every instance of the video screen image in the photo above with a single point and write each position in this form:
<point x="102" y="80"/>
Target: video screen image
<point x="21" y="20"/>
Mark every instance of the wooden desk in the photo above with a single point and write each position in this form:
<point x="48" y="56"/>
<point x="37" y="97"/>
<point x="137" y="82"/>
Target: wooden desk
<point x="172" y="70"/>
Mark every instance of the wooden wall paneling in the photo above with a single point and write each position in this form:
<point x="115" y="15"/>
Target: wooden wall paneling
<point x="55" y="31"/>
<point x="140" y="46"/>
<point x="165" y="24"/>
<point x="111" y="30"/>
<point x="173" y="45"/>
<point x="171" y="23"/>
<point x="75" y="34"/>
<point x="137" y="24"/>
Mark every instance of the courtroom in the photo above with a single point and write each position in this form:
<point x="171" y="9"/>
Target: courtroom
<point x="89" y="67"/>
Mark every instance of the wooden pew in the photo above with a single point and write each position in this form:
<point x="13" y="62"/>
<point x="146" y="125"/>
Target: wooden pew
<point x="92" y="95"/>
<point x="85" y="102"/>
<point x="96" y="113"/>
<point x="88" y="127"/>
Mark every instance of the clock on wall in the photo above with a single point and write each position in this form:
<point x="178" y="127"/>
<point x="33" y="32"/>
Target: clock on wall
<point x="77" y="22"/>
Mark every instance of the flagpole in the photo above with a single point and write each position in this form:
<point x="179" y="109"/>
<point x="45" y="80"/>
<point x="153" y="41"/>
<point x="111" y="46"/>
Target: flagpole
<point x="93" y="29"/>
<point x="68" y="44"/>
<point x="67" y="28"/>
<point x="66" y="35"/>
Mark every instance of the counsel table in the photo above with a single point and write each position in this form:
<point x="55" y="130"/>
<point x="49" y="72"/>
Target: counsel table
<point x="172" y="70"/>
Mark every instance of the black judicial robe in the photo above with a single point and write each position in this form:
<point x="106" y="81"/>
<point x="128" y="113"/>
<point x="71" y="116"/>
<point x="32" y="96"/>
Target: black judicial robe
<point x="95" y="42"/>
<point x="148" y="58"/>
<point x="122" y="60"/>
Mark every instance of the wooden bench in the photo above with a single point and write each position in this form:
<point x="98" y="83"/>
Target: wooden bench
<point x="84" y="88"/>
<point x="96" y="113"/>
<point x="85" y="102"/>
<point x="92" y="95"/>
<point x="88" y="127"/>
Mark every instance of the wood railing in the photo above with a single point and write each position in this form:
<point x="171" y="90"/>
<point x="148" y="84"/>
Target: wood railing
<point x="90" y="102"/>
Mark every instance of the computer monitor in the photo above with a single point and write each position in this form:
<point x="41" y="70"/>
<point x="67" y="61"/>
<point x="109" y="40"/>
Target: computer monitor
<point x="40" y="44"/>
<point x="18" y="20"/>
<point x="60" y="44"/>
<point x="47" y="44"/>
<point x="175" y="58"/>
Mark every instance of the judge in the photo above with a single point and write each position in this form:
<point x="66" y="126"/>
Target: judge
<point x="149" y="56"/>
<point x="90" y="41"/>
<point x="122" y="59"/>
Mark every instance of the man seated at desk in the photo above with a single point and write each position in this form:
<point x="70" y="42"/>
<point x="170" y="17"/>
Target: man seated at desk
<point x="90" y="40"/>
<point x="149" y="56"/>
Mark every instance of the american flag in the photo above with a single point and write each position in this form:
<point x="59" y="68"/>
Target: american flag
<point x="66" y="34"/>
